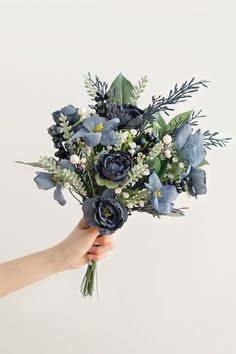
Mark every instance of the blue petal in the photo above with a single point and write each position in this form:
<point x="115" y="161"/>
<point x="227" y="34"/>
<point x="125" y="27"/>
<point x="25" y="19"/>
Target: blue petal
<point x="155" y="182"/>
<point x="89" y="212"/>
<point x="44" y="181"/>
<point x="92" y="139"/>
<point x="58" y="196"/>
<point x="197" y="181"/>
<point x="149" y="187"/>
<point x="154" y="202"/>
<point x="79" y="134"/>
<point x="194" y="150"/>
<point x="165" y="208"/>
<point x="64" y="163"/>
<point x="182" y="135"/>
<point x="108" y="138"/>
<point x="91" y="122"/>
<point x="108" y="193"/>
<point x="111" y="125"/>
<point x="168" y="194"/>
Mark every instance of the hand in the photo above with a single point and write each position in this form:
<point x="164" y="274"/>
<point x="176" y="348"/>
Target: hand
<point x="83" y="244"/>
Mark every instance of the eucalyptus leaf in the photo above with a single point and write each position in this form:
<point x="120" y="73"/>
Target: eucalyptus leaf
<point x="121" y="90"/>
<point x="203" y="163"/>
<point x="162" y="170"/>
<point x="106" y="182"/>
<point x="177" y="121"/>
<point x="155" y="164"/>
<point x="33" y="164"/>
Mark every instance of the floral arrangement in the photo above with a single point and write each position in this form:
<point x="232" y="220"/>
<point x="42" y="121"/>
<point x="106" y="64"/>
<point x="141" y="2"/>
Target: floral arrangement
<point x="116" y="158"/>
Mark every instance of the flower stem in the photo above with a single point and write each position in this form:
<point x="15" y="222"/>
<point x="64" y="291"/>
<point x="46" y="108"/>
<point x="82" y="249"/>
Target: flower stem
<point x="87" y="286"/>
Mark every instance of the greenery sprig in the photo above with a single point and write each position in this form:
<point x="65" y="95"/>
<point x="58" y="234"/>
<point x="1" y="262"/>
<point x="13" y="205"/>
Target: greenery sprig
<point x="138" y="89"/>
<point x="210" y="140"/>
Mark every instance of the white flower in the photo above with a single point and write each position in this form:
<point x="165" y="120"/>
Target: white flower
<point x="126" y="195"/>
<point x="133" y="132"/>
<point x="132" y="151"/>
<point x="167" y="139"/>
<point x="141" y="203"/>
<point x="132" y="145"/>
<point x="83" y="160"/>
<point x="181" y="165"/>
<point x="66" y="185"/>
<point x="118" y="190"/>
<point x="168" y="154"/>
<point x="146" y="172"/>
<point x="175" y="159"/>
<point x="74" y="159"/>
<point x="130" y="206"/>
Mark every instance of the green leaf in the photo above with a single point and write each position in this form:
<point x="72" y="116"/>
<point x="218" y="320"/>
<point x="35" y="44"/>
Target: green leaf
<point x="106" y="182"/>
<point x="121" y="90"/>
<point x="203" y="163"/>
<point x="155" y="164"/>
<point x="162" y="171"/>
<point x="34" y="164"/>
<point x="177" y="121"/>
<point x="161" y="122"/>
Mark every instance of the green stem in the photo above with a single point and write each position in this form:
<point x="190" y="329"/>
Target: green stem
<point x="87" y="286"/>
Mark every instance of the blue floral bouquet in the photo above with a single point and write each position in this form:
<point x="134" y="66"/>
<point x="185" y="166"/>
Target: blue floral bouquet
<point x="116" y="158"/>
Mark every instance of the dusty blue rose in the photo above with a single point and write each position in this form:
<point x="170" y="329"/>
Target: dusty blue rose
<point x="98" y="130"/>
<point x="105" y="212"/>
<point x="69" y="111"/>
<point x="162" y="196"/>
<point x="190" y="146"/>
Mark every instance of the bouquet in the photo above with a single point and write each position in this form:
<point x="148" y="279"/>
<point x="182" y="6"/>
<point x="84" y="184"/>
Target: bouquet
<point x="116" y="158"/>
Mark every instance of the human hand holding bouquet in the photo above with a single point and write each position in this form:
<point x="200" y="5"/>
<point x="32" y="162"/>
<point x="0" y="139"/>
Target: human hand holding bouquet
<point x="116" y="158"/>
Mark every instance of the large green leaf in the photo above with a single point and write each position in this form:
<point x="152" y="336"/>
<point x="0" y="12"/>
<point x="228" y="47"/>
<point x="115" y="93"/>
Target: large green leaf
<point x="203" y="163"/>
<point x="34" y="164"/>
<point x="162" y="170"/>
<point x="177" y="121"/>
<point x="121" y="90"/>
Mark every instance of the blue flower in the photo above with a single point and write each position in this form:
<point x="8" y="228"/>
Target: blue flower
<point x="47" y="181"/>
<point x="98" y="130"/>
<point x="197" y="182"/>
<point x="69" y="111"/>
<point x="161" y="196"/>
<point x="190" y="146"/>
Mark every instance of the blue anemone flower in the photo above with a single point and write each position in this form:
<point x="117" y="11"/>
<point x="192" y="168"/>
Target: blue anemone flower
<point x="98" y="130"/>
<point x="190" y="146"/>
<point x="197" y="182"/>
<point x="162" y="196"/>
<point x="47" y="181"/>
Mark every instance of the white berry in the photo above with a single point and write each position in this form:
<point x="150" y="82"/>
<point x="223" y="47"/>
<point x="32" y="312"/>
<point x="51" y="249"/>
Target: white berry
<point x="74" y="159"/>
<point x="118" y="190"/>
<point x="130" y="206"/>
<point x="83" y="160"/>
<point x="133" y="132"/>
<point x="83" y="111"/>
<point x="126" y="195"/>
<point x="167" y="139"/>
<point x="168" y="154"/>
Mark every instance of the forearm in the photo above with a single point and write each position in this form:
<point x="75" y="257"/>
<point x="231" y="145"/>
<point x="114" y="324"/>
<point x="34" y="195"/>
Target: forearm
<point x="26" y="270"/>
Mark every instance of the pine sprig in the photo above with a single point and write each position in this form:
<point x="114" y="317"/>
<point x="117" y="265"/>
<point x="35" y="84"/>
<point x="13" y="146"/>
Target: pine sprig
<point x="66" y="129"/>
<point x="177" y="95"/>
<point x="138" y="89"/>
<point x="95" y="87"/>
<point x="65" y="175"/>
<point x="193" y="118"/>
<point x="211" y="140"/>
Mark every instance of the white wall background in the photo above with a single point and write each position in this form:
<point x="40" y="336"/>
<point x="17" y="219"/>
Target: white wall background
<point x="169" y="285"/>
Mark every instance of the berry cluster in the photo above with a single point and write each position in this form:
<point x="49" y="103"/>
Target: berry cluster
<point x="101" y="103"/>
<point x="181" y="186"/>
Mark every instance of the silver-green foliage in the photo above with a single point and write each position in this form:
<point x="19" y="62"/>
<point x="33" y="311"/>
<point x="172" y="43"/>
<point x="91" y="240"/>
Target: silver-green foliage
<point x="138" y="89"/>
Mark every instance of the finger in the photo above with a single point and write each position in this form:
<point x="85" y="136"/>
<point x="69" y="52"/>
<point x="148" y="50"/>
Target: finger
<point x="91" y="233"/>
<point x="101" y="249"/>
<point x="102" y="240"/>
<point x="96" y="257"/>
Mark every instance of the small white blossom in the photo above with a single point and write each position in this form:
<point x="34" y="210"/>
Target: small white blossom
<point x="130" y="206"/>
<point x="132" y="151"/>
<point x="132" y="145"/>
<point x="118" y="190"/>
<point x="74" y="159"/>
<point x="125" y="195"/>
<point x="83" y="160"/>
<point x="66" y="185"/>
<point x="168" y="154"/>
<point x="146" y="172"/>
<point x="175" y="159"/>
<point x="141" y="203"/>
<point x="181" y="165"/>
<point x="133" y="132"/>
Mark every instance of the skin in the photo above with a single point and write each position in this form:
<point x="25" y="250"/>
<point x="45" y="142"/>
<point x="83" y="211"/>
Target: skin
<point x="82" y="244"/>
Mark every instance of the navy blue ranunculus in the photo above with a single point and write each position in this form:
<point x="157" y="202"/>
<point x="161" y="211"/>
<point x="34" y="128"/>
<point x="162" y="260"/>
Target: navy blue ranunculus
<point x="106" y="213"/>
<point x="70" y="112"/>
<point x="114" y="166"/>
